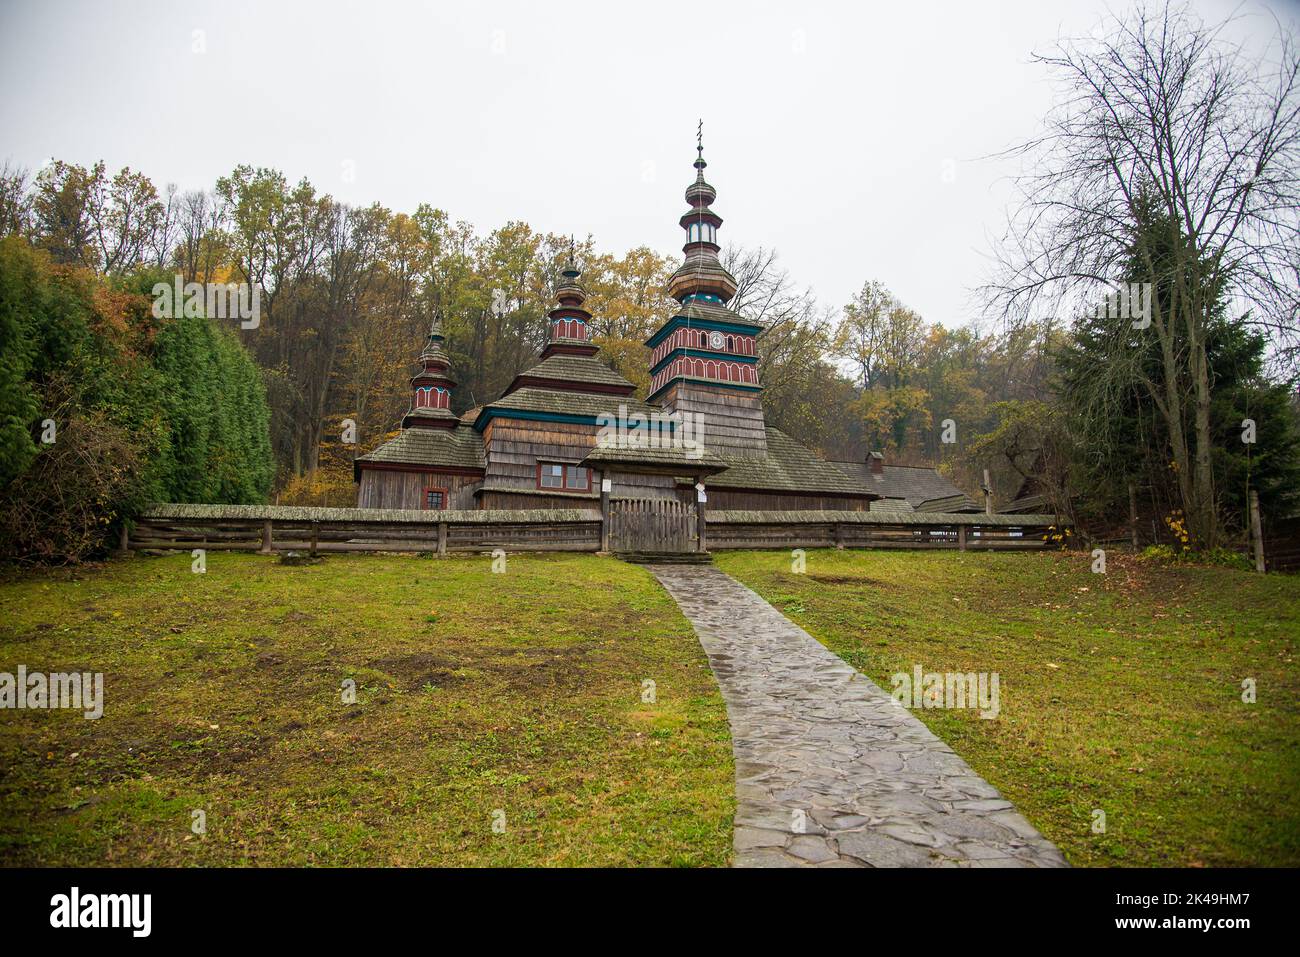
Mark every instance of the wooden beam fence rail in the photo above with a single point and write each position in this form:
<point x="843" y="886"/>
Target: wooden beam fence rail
<point x="325" y="535"/>
<point x="934" y="530"/>
<point x="269" y="529"/>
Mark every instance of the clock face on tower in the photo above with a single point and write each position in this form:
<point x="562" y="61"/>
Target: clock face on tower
<point x="715" y="340"/>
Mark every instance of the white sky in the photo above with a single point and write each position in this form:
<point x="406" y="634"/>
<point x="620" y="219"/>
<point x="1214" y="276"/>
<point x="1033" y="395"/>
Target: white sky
<point x="828" y="127"/>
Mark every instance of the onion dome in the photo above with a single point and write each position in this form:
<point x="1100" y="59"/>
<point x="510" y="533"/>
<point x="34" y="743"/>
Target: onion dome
<point x="433" y="353"/>
<point x="570" y="329"/>
<point x="701" y="274"/>
<point x="700" y="193"/>
<point x="431" y="386"/>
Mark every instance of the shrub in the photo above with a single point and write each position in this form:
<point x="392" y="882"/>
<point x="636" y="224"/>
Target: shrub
<point x="143" y="409"/>
<point x="1223" y="557"/>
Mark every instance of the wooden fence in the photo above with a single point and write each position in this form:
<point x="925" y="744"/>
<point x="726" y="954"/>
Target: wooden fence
<point x="271" y="528"/>
<point x="884" y="529"/>
<point x="1282" y="545"/>
<point x="651" y="525"/>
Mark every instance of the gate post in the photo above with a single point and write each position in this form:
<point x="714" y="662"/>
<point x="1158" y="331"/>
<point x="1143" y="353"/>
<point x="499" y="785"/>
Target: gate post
<point x="605" y="486"/>
<point x="266" y="537"/>
<point x="1256" y="531"/>
<point x="700" y="498"/>
<point x="961" y="537"/>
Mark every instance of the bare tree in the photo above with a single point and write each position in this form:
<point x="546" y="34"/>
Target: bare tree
<point x="1172" y="160"/>
<point x="163" y="242"/>
<point x="766" y="294"/>
<point x="15" y="200"/>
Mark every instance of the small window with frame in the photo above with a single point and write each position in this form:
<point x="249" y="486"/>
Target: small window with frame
<point x="567" y="478"/>
<point x="435" y="498"/>
<point x="550" y="475"/>
<point x="577" y="479"/>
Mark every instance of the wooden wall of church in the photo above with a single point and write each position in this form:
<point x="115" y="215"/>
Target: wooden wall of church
<point x="720" y="499"/>
<point x="500" y="499"/>
<point x="731" y="421"/>
<point x="515" y="446"/>
<point x="661" y="487"/>
<point x="390" y="488"/>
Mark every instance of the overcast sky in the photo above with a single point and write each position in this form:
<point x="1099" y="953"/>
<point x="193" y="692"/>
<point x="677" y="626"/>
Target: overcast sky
<point x="847" y="136"/>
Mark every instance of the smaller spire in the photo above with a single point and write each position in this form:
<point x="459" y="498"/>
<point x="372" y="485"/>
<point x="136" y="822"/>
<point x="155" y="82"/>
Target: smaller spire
<point x="433" y="345"/>
<point x="432" y="385"/>
<point x="699" y="148"/>
<point x="570" y="271"/>
<point x="569" y="319"/>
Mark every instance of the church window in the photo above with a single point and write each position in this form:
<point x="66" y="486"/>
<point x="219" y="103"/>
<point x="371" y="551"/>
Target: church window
<point x="435" y="498"/>
<point x="550" y="476"/>
<point x="570" y="478"/>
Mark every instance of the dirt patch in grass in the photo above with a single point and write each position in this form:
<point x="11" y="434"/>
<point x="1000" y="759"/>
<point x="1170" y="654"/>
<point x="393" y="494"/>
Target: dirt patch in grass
<point x="474" y="693"/>
<point x="847" y="580"/>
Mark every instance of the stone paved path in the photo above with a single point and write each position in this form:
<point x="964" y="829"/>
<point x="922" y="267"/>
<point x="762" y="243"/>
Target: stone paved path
<point x="830" y="771"/>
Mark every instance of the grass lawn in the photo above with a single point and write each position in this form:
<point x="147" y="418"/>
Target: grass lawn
<point x="476" y="693"/>
<point x="1120" y="692"/>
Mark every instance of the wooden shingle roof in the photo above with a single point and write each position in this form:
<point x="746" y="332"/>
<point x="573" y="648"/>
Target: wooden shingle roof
<point x="788" y="467"/>
<point x="714" y="311"/>
<point x="460" y="447"/>
<point x="961" y="502"/>
<point x="556" y="402"/>
<point x="917" y="484"/>
<point x="701" y="462"/>
<point x="561" y="368"/>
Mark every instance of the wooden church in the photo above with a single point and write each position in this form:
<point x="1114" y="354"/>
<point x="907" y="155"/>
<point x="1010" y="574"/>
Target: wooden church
<point x="569" y="427"/>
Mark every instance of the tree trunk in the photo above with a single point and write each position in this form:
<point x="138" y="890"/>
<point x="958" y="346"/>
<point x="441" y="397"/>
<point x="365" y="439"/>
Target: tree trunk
<point x="1203" y="517"/>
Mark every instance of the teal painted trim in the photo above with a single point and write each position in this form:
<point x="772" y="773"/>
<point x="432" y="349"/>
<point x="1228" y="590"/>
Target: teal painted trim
<point x="488" y="415"/>
<point x="744" y="328"/>
<point x="712" y="383"/>
<point x="701" y="354"/>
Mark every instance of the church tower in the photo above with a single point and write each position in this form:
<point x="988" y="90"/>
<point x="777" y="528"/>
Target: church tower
<point x="431" y="386"/>
<point x="570" y="332"/>
<point x="705" y="358"/>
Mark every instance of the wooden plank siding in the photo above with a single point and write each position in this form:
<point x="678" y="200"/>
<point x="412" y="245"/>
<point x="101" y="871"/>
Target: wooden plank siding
<point x="652" y="525"/>
<point x="723" y="499"/>
<point x="513" y="449"/>
<point x="661" y="487"/>
<point x="399" y="488"/>
<point x="525" y="499"/>
<point x="732" y="422"/>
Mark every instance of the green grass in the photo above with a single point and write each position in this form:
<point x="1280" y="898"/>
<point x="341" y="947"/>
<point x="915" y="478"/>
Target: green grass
<point x="1120" y="692"/>
<point x="476" y="692"/>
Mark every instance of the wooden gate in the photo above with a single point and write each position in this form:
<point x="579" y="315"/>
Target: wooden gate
<point x="651" y="525"/>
